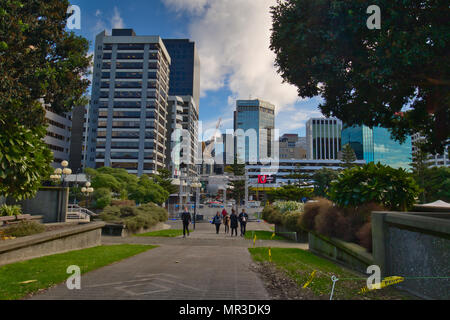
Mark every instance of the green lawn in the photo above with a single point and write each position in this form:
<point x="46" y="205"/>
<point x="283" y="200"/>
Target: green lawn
<point x="262" y="235"/>
<point x="299" y="264"/>
<point x="163" y="233"/>
<point x="51" y="270"/>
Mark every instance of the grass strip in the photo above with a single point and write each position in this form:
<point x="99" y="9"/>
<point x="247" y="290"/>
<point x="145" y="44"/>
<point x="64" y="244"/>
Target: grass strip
<point x="299" y="264"/>
<point x="262" y="235"/>
<point x="51" y="270"/>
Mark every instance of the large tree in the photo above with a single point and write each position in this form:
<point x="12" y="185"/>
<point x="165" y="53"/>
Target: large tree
<point x="396" y="77"/>
<point x="348" y="156"/>
<point x="40" y="63"/>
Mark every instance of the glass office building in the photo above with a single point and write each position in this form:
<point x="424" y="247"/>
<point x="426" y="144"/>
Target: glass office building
<point x="323" y="138"/>
<point x="256" y="119"/>
<point x="376" y="145"/>
<point x="184" y="68"/>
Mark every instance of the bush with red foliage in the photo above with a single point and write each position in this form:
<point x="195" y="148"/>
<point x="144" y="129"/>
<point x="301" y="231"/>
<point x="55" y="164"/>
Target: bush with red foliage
<point x="326" y="221"/>
<point x="311" y="210"/>
<point x="364" y="236"/>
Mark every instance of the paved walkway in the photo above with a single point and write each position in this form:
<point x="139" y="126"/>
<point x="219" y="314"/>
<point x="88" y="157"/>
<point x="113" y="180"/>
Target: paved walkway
<point x="202" y="266"/>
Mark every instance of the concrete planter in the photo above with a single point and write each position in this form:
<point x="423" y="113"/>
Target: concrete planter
<point x="52" y="242"/>
<point x="119" y="230"/>
<point x="349" y="254"/>
<point x="301" y="237"/>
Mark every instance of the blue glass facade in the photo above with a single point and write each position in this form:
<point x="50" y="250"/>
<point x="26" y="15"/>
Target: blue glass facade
<point x="184" y="68"/>
<point x="376" y="145"/>
<point x="251" y="116"/>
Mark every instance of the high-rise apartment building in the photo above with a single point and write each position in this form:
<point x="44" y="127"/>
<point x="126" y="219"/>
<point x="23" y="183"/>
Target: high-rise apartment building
<point x="78" y="138"/>
<point x="183" y="115"/>
<point x="290" y="147"/>
<point x="323" y="138"/>
<point x="434" y="160"/>
<point x="376" y="145"/>
<point x="254" y="124"/>
<point x="128" y="113"/>
<point x="184" y="68"/>
<point x="58" y="135"/>
<point x="184" y="99"/>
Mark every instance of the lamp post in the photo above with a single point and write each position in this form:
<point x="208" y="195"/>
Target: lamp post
<point x="59" y="175"/>
<point x="87" y="190"/>
<point x="196" y="185"/>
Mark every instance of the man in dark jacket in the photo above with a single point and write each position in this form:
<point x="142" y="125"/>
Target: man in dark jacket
<point x="243" y="218"/>
<point x="233" y="222"/>
<point x="186" y="218"/>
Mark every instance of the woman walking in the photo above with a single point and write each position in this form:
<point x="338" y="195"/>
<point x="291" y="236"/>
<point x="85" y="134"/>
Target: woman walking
<point x="226" y="223"/>
<point x="217" y="220"/>
<point x="233" y="222"/>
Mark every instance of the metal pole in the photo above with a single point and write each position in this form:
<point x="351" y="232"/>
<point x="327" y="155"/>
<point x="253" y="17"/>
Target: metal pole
<point x="246" y="189"/>
<point x="195" y="208"/>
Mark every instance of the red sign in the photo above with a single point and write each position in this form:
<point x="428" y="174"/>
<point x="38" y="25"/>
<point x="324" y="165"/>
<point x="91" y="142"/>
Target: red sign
<point x="263" y="179"/>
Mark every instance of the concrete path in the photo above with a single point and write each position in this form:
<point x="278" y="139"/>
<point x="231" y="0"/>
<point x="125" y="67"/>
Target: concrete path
<point x="202" y="266"/>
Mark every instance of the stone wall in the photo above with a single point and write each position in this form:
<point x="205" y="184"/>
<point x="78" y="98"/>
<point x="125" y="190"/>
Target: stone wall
<point x="49" y="202"/>
<point x="349" y="254"/>
<point x="413" y="245"/>
<point x="48" y="243"/>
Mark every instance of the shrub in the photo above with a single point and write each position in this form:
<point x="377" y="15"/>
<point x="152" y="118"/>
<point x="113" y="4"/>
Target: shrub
<point x="24" y="228"/>
<point x="134" y="218"/>
<point x="102" y="197"/>
<point x="290" y="220"/>
<point x="311" y="210"/>
<point x="364" y="236"/>
<point x="393" y="188"/>
<point x="325" y="221"/>
<point x="6" y="210"/>
<point x="121" y="202"/>
<point x="271" y="214"/>
<point x="287" y="206"/>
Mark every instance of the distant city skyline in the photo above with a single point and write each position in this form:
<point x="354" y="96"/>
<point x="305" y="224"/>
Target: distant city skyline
<point x="231" y="69"/>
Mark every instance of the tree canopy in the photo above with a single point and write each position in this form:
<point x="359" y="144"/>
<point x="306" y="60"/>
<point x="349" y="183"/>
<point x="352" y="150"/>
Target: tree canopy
<point x="395" y="77"/>
<point x="348" y="156"/>
<point x="40" y="64"/>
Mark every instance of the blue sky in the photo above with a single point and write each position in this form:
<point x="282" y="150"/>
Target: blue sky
<point x="232" y="37"/>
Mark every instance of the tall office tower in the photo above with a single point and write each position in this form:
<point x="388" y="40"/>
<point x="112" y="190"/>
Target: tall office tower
<point x="434" y="160"/>
<point x="290" y="147"/>
<point x="58" y="136"/>
<point x="256" y="118"/>
<point x="184" y="68"/>
<point x="182" y="114"/>
<point x="77" y="138"/>
<point x="323" y="138"/>
<point x="184" y="99"/>
<point x="376" y="145"/>
<point x="128" y="110"/>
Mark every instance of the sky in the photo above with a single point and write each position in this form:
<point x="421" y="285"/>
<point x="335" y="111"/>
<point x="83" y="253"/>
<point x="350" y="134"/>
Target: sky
<point x="232" y="38"/>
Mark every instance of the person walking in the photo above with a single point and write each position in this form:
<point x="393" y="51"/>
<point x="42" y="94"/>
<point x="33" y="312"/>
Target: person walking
<point x="226" y="223"/>
<point x="217" y="220"/>
<point x="243" y="218"/>
<point x="186" y="218"/>
<point x="233" y="222"/>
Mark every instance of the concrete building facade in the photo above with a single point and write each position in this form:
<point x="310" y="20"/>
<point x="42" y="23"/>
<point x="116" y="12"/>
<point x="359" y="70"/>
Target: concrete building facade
<point x="128" y="112"/>
<point x="323" y="138"/>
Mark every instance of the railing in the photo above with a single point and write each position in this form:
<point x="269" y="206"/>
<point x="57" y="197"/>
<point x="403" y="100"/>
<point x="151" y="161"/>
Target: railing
<point x="75" y="212"/>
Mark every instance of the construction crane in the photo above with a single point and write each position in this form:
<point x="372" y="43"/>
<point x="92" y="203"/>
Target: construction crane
<point x="207" y="150"/>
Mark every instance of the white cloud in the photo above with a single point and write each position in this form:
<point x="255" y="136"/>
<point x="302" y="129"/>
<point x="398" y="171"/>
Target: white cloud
<point x="116" y="20"/>
<point x="98" y="13"/>
<point x="233" y="38"/>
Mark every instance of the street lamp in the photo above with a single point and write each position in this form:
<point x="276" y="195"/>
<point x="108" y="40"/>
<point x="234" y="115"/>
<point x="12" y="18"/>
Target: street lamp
<point x="87" y="190"/>
<point x="196" y="185"/>
<point x="59" y="175"/>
